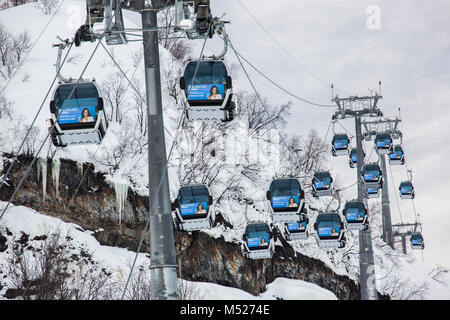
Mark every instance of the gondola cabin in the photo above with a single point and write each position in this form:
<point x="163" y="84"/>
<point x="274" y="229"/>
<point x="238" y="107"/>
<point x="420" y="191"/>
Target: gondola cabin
<point x="296" y="230"/>
<point x="258" y="241"/>
<point x="287" y="200"/>
<point x="77" y="115"/>
<point x="193" y="208"/>
<point x="340" y="145"/>
<point x="208" y="91"/>
<point x="417" y="242"/>
<point x="384" y="143"/>
<point x="330" y="230"/>
<point x="406" y="190"/>
<point x="356" y="214"/>
<point x="322" y="184"/>
<point x="353" y="158"/>
<point x="396" y="157"/>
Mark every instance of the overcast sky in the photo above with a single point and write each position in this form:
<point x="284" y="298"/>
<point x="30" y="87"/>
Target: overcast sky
<point x="331" y="43"/>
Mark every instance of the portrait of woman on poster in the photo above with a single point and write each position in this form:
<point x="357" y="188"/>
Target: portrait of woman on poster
<point x="200" y="209"/>
<point x="292" y="203"/>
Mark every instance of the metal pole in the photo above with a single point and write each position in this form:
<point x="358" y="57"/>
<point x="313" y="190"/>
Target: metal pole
<point x="385" y="205"/>
<point x="366" y="261"/>
<point x="360" y="158"/>
<point x="162" y="249"/>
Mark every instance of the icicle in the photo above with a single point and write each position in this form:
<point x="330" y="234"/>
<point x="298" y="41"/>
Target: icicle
<point x="121" y="190"/>
<point x="80" y="168"/>
<point x="56" y="167"/>
<point x="42" y="172"/>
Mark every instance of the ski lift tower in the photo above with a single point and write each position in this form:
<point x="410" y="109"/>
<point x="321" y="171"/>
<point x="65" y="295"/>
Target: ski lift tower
<point x="104" y="19"/>
<point x="358" y="107"/>
<point x="162" y="249"/>
<point x="373" y="128"/>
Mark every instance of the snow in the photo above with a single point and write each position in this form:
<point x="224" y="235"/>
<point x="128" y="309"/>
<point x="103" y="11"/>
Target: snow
<point x="288" y="289"/>
<point x="404" y="277"/>
<point x="280" y="288"/>
<point x="212" y="291"/>
<point x="21" y="219"/>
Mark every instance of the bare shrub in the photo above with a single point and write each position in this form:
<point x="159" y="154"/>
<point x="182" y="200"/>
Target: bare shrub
<point x="140" y="107"/>
<point x="21" y="45"/>
<point x="139" y="285"/>
<point x="399" y="288"/>
<point x="129" y="144"/>
<point x="5" y="37"/>
<point x="40" y="274"/>
<point x="32" y="142"/>
<point x="12" y="50"/>
<point x="179" y="48"/>
<point x="313" y="156"/>
<point x="47" y="6"/>
<point x="6" y="108"/>
<point x="54" y="271"/>
<point x="262" y="116"/>
<point x="188" y="290"/>
<point x="114" y="90"/>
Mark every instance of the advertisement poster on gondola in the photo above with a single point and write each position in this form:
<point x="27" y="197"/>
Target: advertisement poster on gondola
<point x="255" y="242"/>
<point x="285" y="202"/>
<point x="340" y="144"/>
<point x="197" y="208"/>
<point x="329" y="231"/>
<point x="383" y="143"/>
<point x="395" y="155"/>
<point x="206" y="92"/>
<point x="371" y="176"/>
<point x="73" y="113"/>
<point x="372" y="190"/>
<point x="416" y="240"/>
<point x="297" y="226"/>
<point x="354" y="214"/>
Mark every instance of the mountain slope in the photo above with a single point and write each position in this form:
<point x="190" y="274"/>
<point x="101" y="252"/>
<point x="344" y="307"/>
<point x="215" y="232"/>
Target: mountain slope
<point x="122" y="159"/>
